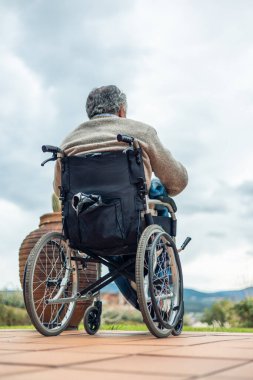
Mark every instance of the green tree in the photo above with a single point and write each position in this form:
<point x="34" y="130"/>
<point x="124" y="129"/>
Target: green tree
<point x="244" y="312"/>
<point x="10" y="315"/>
<point x="12" y="298"/>
<point x="220" y="312"/>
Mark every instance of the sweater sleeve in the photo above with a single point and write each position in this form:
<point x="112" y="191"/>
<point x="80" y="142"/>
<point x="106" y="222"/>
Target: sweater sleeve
<point x="57" y="178"/>
<point x="171" y="173"/>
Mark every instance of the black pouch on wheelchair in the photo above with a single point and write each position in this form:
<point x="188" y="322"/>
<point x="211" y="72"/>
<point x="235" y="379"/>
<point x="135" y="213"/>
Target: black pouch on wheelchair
<point x="112" y="224"/>
<point x="101" y="223"/>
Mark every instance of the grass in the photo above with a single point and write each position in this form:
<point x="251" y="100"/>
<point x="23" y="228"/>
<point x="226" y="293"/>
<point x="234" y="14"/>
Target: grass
<point x="142" y="327"/>
<point x="28" y="327"/>
<point x="220" y="329"/>
<point x="125" y="327"/>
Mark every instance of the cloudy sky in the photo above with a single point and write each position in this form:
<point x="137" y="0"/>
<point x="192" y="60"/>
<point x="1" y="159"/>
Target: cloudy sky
<point x="186" y="67"/>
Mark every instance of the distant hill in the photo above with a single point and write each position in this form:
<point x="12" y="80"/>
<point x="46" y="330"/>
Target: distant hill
<point x="196" y="301"/>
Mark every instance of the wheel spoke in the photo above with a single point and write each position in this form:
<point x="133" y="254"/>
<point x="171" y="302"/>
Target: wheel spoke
<point x="157" y="280"/>
<point x="48" y="267"/>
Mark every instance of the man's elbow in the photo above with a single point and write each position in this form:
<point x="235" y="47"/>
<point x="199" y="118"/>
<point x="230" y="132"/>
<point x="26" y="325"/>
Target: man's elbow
<point x="179" y="184"/>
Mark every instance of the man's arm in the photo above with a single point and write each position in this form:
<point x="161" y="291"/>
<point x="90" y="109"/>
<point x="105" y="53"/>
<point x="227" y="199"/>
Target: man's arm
<point x="171" y="173"/>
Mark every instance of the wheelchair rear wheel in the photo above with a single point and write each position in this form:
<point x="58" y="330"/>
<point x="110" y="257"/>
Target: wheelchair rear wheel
<point x="50" y="274"/>
<point x="158" y="280"/>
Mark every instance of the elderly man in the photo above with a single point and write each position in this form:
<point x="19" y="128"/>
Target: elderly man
<point x="106" y="108"/>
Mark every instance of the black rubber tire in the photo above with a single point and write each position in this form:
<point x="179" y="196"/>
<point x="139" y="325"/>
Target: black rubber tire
<point x="92" y="320"/>
<point x="179" y="328"/>
<point x="157" y="310"/>
<point x="23" y="284"/>
<point x="64" y="312"/>
<point x="154" y="328"/>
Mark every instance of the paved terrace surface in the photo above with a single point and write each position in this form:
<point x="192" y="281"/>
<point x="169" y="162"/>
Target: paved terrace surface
<point x="27" y="355"/>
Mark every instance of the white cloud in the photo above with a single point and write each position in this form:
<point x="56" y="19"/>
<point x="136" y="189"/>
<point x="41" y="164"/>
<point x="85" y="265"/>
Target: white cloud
<point x="23" y="94"/>
<point x="15" y="224"/>
<point x="223" y="270"/>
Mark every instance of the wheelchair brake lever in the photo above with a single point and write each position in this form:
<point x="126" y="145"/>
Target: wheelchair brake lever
<point x="127" y="149"/>
<point x="53" y="158"/>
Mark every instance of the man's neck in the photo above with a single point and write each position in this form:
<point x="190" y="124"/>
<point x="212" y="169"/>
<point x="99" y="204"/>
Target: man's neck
<point x="105" y="115"/>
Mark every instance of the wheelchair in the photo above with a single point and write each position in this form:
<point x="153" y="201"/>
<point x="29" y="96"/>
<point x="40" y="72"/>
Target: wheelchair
<point x="107" y="219"/>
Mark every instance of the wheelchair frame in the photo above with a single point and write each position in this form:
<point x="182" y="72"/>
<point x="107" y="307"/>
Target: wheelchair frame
<point x="93" y="313"/>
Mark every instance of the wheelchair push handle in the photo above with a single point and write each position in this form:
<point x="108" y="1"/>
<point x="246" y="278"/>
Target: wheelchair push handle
<point x="50" y="149"/>
<point x="125" y="138"/>
<point x="128" y="140"/>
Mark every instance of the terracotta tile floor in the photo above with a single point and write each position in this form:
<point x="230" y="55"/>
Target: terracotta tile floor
<point x="25" y="354"/>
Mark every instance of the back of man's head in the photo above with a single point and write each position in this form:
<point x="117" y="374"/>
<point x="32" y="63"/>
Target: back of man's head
<point x="106" y="100"/>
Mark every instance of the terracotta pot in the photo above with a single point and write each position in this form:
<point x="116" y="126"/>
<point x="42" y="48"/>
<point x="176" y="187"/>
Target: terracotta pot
<point x="52" y="222"/>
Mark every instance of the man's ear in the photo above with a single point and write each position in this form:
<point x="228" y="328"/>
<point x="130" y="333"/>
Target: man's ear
<point x="122" y="112"/>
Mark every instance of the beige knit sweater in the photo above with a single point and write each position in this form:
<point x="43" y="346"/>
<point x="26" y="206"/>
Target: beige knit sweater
<point x="99" y="134"/>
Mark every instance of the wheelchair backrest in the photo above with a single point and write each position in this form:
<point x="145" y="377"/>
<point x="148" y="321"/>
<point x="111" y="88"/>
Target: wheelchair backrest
<point x="105" y="189"/>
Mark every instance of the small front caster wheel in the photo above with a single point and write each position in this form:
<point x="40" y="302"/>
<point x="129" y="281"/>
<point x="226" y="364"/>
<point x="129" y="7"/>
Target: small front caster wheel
<point x="178" y="328"/>
<point x="91" y="320"/>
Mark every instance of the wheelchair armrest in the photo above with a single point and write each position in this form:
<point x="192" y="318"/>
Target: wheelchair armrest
<point x="170" y="201"/>
<point x="165" y="201"/>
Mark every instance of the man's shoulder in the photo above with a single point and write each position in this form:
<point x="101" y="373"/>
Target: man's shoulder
<point x="140" y="126"/>
<point x="75" y="133"/>
<point x="91" y="127"/>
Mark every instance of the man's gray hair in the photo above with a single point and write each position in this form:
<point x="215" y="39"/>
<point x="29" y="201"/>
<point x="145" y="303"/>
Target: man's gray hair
<point x="106" y="99"/>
